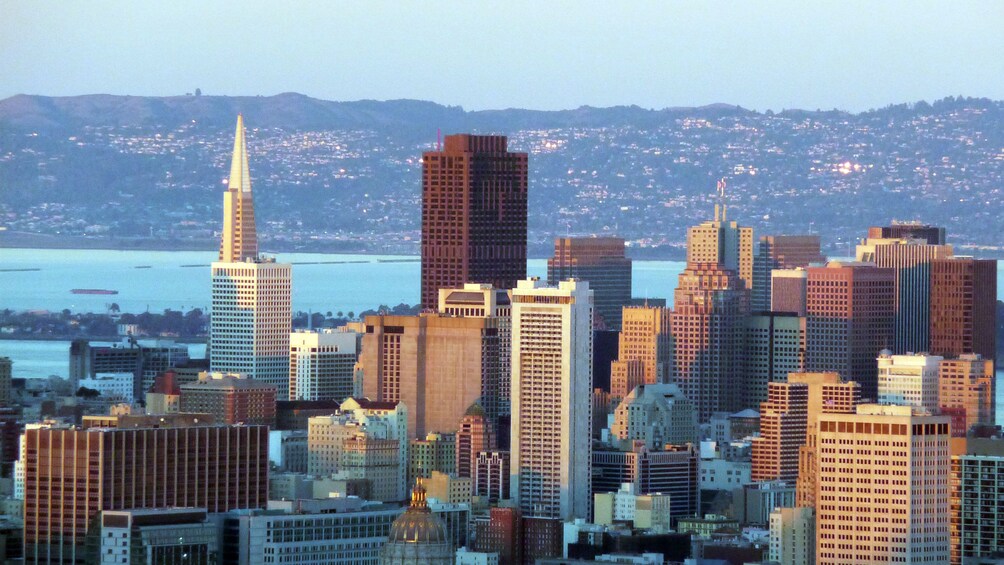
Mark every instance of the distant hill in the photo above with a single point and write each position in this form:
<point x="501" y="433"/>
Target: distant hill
<point x="298" y="112"/>
<point x="146" y="171"/>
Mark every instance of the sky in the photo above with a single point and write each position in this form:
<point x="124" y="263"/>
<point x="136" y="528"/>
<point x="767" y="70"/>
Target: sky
<point x="515" y="54"/>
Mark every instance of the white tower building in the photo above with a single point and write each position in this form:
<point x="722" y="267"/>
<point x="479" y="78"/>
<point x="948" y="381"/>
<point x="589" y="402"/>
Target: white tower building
<point x="322" y="364"/>
<point x="909" y="380"/>
<point x="251" y="305"/>
<point x="552" y="342"/>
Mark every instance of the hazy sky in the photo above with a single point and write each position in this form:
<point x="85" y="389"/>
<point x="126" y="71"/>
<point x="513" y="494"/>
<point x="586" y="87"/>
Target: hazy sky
<point x="546" y="55"/>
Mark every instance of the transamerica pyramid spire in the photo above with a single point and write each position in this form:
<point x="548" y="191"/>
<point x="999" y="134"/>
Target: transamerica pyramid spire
<point x="239" y="241"/>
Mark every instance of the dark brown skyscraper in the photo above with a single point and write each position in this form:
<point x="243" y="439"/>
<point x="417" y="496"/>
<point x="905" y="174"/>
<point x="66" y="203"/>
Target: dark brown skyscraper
<point x="963" y="307"/>
<point x="850" y="309"/>
<point x="474" y="206"/>
<point x="601" y="261"/>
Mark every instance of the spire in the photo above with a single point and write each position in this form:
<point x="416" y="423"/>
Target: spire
<point x="240" y="176"/>
<point x="418" y="501"/>
<point x="239" y="241"/>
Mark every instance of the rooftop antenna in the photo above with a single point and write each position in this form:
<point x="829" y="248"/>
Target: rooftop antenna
<point x="439" y="139"/>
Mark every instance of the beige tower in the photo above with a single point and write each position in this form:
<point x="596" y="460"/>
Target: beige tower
<point x="782" y="432"/>
<point x="251" y="308"/>
<point x="828" y="394"/>
<point x="723" y="242"/>
<point x="882" y="495"/>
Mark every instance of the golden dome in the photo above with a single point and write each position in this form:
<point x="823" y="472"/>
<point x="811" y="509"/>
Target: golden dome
<point x="418" y="524"/>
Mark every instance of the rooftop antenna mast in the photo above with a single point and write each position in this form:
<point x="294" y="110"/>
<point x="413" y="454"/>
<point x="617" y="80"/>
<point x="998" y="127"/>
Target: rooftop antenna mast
<point x="439" y="139"/>
<point x="720" y="205"/>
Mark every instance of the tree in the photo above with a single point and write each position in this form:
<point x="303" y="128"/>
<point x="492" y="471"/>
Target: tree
<point x="84" y="392"/>
<point x="198" y="92"/>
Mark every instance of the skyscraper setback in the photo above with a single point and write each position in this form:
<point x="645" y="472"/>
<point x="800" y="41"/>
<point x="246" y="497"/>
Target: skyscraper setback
<point x="251" y="295"/>
<point x="474" y="215"/>
<point x="708" y="331"/>
<point x="725" y="243"/>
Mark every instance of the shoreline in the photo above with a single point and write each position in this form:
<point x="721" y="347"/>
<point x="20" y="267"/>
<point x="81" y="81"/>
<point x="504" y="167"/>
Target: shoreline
<point x="22" y="240"/>
<point x="113" y="339"/>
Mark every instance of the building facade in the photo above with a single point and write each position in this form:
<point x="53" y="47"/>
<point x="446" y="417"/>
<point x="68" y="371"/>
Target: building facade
<point x="708" y="332"/>
<point x="963" y="307"/>
<point x="882" y="492"/>
<point x="911" y="260"/>
<point x="850" y="311"/>
<point x="436" y="364"/>
<point x="783" y="421"/>
<point x="723" y="243"/>
<point x="322" y="364"/>
<point x="977" y="517"/>
<point x="910" y="380"/>
<point x="552" y="356"/>
<point x="602" y="263"/>
<point x="230" y="398"/>
<point x="135" y="465"/>
<point x="775" y="346"/>
<point x="968" y="383"/>
<point x="780" y="252"/>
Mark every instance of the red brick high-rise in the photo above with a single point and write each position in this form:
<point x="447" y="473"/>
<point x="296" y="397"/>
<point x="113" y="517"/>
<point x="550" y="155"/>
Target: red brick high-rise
<point x="161" y="461"/>
<point x="474" y="215"/>
<point x="964" y="307"/>
<point x="850" y="309"/>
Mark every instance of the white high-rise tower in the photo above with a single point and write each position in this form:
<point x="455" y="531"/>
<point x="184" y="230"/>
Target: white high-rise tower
<point x="552" y="353"/>
<point x="251" y="309"/>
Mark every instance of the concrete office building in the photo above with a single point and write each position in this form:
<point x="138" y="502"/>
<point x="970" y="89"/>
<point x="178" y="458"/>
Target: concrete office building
<point x="474" y="215"/>
<point x="334" y="531"/>
<point x="486" y="301"/>
<point x="911" y="260"/>
<point x="708" y="332"/>
<point x="251" y="294"/>
<point x="851" y="313"/>
<point x="775" y="346"/>
<point x="977" y="517"/>
<point x="329" y="438"/>
<point x="552" y="341"/>
<point x="475" y="434"/>
<point x="437" y="452"/>
<point x="793" y="536"/>
<point x="968" y="383"/>
<point x="910" y="380"/>
<point x="780" y="252"/>
<point x="230" y="398"/>
<point x="963" y="307"/>
<point x="436" y="364"/>
<point x="144" y="462"/>
<point x="322" y="364"/>
<point x="602" y="263"/>
<point x="828" y="394"/>
<point x="788" y="290"/>
<point x="882" y="492"/>
<point x="783" y="420"/>
<point x="145" y="536"/>
<point x="645" y="337"/>
<point x="724" y="243"/>
<point x="655" y="415"/>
